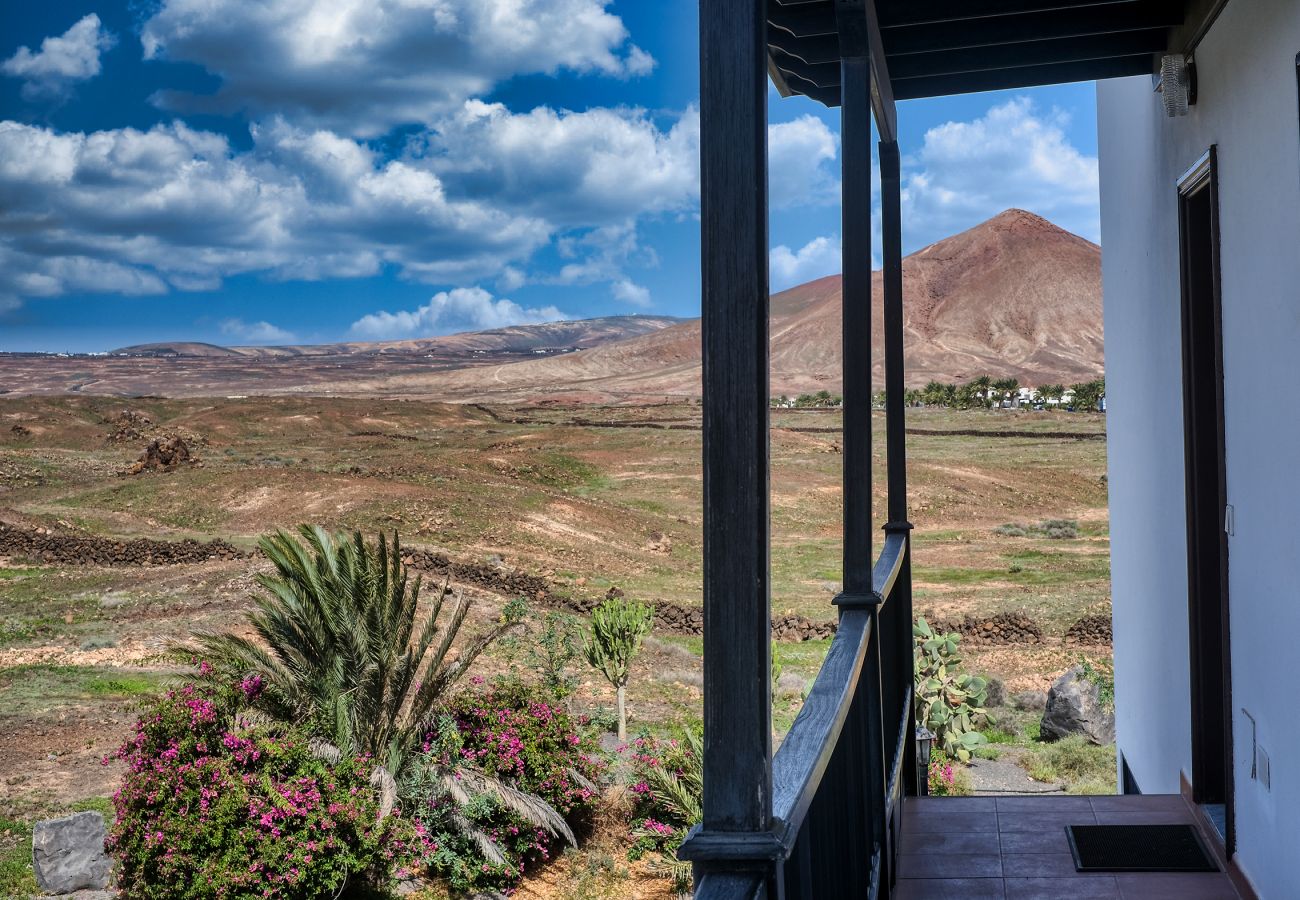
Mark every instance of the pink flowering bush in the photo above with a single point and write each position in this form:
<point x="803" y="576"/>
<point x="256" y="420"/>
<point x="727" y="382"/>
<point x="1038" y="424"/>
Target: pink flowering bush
<point x="666" y="781"/>
<point x="216" y="806"/>
<point x="947" y="778"/>
<point x="511" y="747"/>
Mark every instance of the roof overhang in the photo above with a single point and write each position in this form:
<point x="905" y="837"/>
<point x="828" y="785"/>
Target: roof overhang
<point x="937" y="47"/>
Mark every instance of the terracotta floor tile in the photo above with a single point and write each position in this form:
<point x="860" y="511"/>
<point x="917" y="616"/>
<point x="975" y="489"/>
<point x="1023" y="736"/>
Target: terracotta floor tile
<point x="1044" y="821"/>
<point x="1176" y="886"/>
<point x="1145" y="817"/>
<point x="949" y="889"/>
<point x="1051" y="803"/>
<point x="957" y="821"/>
<point x="1047" y="840"/>
<point x="1092" y="887"/>
<point x="950" y="865"/>
<point x="985" y="842"/>
<point x="1039" y="865"/>
<point x="1130" y="802"/>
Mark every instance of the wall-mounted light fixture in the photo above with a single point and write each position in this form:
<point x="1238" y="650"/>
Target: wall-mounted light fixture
<point x="1177" y="83"/>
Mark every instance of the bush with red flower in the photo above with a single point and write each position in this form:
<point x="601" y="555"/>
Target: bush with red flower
<point x="666" y="779"/>
<point x="217" y="805"/>
<point x="509" y="746"/>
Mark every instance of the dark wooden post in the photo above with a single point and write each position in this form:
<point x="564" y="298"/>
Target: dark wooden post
<point x="898" y="658"/>
<point x="737" y="617"/>
<point x="855" y="138"/>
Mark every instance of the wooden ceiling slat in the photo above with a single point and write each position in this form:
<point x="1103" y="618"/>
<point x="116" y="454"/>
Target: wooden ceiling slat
<point x="1021" y="77"/>
<point x="978" y="59"/>
<point x="1070" y="23"/>
<point x="895" y="13"/>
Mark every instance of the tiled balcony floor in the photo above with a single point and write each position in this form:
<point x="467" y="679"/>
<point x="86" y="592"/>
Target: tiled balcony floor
<point x="1015" y="848"/>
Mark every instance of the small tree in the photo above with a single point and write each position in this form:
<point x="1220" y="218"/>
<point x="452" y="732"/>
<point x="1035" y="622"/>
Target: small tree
<point x="617" y="629"/>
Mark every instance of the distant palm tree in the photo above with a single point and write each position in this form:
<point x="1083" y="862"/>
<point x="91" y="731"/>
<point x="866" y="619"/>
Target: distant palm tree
<point x="1052" y="392"/>
<point x="981" y="385"/>
<point x="1006" y="388"/>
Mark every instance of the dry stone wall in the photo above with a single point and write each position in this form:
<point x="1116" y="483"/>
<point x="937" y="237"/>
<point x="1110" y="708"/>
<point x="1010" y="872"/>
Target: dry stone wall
<point x="48" y="546"/>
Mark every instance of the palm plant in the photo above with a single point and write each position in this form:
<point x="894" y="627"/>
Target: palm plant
<point x="678" y="794"/>
<point x="338" y="648"/>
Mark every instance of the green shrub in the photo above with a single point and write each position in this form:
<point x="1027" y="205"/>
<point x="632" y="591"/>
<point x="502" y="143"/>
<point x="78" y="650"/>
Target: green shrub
<point x="1102" y="674"/>
<point x="949" y="702"/>
<point x="216" y="806"/>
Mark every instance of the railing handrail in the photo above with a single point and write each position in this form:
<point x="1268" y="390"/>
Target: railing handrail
<point x="802" y="759"/>
<point x="805" y="753"/>
<point x="884" y="574"/>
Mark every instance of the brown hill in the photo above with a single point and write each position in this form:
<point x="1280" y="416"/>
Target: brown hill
<point x="1014" y="296"/>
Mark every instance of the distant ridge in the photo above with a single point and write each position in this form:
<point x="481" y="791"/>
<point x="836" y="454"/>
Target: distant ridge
<point x="569" y="334"/>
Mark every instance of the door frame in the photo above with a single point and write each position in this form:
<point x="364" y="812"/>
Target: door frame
<point x="1208" y="597"/>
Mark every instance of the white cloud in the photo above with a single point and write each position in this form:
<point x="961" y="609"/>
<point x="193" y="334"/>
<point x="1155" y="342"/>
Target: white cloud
<point x="256" y="332"/>
<point x="461" y="309"/>
<point x="133" y="212"/>
<point x="364" y="66"/>
<point x="966" y="172"/>
<point x="632" y="294"/>
<point x="820" y="256"/>
<point x="62" y="61"/>
<point x="801" y="156"/>
<point x="573" y="168"/>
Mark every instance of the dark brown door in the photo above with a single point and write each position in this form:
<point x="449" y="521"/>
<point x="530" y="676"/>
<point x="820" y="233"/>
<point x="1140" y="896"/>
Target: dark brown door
<point x="1208" y="514"/>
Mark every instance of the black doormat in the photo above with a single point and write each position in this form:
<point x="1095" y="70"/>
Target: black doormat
<point x="1138" y="848"/>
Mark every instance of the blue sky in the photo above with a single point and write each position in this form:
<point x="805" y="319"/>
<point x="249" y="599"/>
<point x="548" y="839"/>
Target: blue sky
<point x="320" y="170"/>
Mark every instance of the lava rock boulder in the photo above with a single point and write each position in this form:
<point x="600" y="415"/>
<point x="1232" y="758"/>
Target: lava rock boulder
<point x="68" y="854"/>
<point x="1074" y="707"/>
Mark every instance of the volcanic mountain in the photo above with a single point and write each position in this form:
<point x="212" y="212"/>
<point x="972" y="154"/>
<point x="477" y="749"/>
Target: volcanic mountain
<point x="1014" y="296"/>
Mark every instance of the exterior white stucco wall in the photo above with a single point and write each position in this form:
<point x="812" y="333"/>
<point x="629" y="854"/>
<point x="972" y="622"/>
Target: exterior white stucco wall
<point x="1248" y="107"/>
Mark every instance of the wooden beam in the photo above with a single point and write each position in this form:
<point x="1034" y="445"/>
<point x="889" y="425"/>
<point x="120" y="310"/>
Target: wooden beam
<point x="882" y="90"/>
<point x="734" y="250"/>
<point x="1201" y="15"/>
<point x="1026" y="76"/>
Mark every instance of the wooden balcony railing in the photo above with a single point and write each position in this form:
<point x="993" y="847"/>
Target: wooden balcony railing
<point x="840" y="774"/>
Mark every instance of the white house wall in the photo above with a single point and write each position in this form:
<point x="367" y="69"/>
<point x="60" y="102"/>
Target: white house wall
<point x="1247" y="106"/>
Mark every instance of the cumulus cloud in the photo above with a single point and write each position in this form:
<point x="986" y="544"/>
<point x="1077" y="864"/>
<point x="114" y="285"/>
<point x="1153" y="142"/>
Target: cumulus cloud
<point x="364" y="66"/>
<point x="574" y="168"/>
<point x="801" y="159"/>
<point x="133" y="212"/>
<point x="256" y="332"/>
<point x="818" y="257"/>
<point x="62" y="61"/>
<point x="632" y="294"/>
<point x="1014" y="155"/>
<point x="448" y="312"/>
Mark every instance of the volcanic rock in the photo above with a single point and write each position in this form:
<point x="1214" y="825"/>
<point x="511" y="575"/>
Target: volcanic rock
<point x="166" y="455"/>
<point x="1074" y="707"/>
<point x="68" y="853"/>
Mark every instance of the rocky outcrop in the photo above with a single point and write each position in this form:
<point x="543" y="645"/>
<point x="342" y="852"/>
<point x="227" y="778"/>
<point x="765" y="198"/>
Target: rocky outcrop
<point x="68" y="854"/>
<point x="163" y="455"/>
<point x="1074" y="706"/>
<point x="44" y="545"/>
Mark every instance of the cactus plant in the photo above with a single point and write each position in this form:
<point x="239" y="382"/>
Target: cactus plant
<point x="617" y="629"/>
<point x="948" y="701"/>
